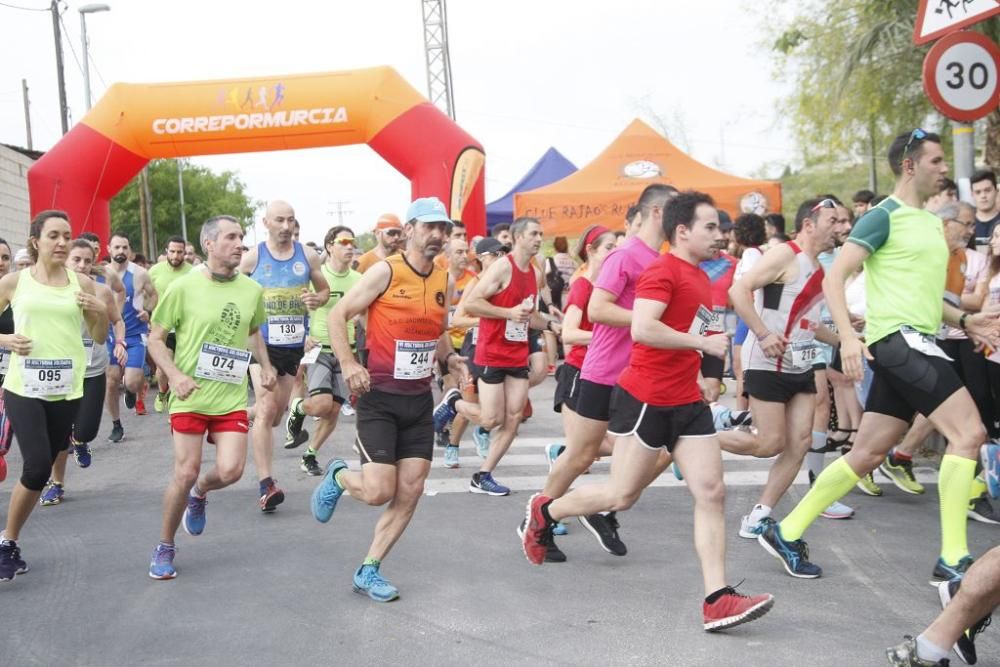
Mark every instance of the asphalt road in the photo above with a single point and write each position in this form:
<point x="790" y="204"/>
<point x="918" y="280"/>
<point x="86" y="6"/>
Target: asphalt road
<point x="276" y="589"/>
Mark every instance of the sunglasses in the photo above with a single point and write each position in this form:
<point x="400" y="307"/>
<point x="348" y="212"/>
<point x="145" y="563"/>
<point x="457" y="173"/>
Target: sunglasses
<point x="393" y="232"/>
<point x="498" y="253"/>
<point x="918" y="135"/>
<point x="826" y="203"/>
<point x="343" y="242"/>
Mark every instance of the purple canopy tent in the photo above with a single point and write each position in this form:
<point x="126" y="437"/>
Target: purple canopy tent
<point x="551" y="167"/>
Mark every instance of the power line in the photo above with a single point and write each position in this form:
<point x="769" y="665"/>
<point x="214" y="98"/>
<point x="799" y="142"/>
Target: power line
<point x="26" y="9"/>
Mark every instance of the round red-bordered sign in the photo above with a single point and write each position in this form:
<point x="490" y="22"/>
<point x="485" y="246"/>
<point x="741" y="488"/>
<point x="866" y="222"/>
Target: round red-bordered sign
<point x="962" y="76"/>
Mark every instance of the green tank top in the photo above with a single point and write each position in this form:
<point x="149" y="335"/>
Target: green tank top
<point x="339" y="284"/>
<point x="51" y="318"/>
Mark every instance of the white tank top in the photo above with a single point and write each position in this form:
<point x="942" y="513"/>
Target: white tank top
<point x="793" y="310"/>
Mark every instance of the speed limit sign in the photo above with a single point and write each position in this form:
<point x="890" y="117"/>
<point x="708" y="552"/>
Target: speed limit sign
<point x="961" y="76"/>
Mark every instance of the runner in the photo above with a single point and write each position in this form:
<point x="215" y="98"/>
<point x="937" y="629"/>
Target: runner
<point x="216" y="313"/>
<point x="140" y="299"/>
<point x="190" y="255"/>
<point x="657" y="410"/>
<point x="905" y="258"/>
<point x="6" y="328"/>
<point x="720" y="267"/>
<point x="610" y="311"/>
<point x="88" y="418"/>
<point x="389" y="233"/>
<point x="750" y="235"/>
<point x="327" y="391"/>
<point x="406" y="298"/>
<point x="163" y="274"/>
<point x="506" y="300"/>
<point x="44" y="381"/>
<point x="283" y="268"/>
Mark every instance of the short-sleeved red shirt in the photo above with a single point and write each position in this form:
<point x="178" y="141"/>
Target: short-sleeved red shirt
<point x="579" y="296"/>
<point x="659" y="376"/>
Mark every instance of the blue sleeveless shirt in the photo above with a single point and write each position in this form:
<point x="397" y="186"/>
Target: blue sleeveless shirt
<point x="283" y="282"/>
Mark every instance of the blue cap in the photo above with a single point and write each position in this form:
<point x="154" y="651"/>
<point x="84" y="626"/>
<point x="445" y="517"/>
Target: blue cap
<point x="427" y="209"/>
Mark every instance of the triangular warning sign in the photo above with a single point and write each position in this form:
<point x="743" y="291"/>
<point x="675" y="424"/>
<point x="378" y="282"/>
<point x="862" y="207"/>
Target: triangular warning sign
<point x="939" y="17"/>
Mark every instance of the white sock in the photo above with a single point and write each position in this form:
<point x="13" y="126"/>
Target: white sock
<point x="759" y="512"/>
<point x="928" y="651"/>
<point x="814" y="460"/>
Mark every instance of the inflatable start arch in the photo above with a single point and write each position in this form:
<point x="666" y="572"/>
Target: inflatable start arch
<point x="135" y="123"/>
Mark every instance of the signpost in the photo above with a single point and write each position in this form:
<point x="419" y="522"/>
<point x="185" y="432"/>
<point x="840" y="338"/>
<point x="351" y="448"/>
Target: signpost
<point x="961" y="76"/>
<point x="939" y="17"/>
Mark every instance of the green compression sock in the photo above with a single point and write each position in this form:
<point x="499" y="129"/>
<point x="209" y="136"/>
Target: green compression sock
<point x="954" y="483"/>
<point x="832" y="484"/>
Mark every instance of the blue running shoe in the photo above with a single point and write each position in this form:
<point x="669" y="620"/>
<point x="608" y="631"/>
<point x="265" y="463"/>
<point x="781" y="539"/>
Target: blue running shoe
<point x="989" y="455"/>
<point x="483" y="482"/>
<point x="368" y="581"/>
<point x="444" y="413"/>
<point x="162" y="564"/>
<point x="81" y="452"/>
<point x="559" y="529"/>
<point x="451" y="456"/>
<point x="326" y="495"/>
<point x="53" y="494"/>
<point x="194" y="515"/>
<point x="794" y="554"/>
<point x="945" y="572"/>
<point x="481" y="437"/>
<point x="552" y="452"/>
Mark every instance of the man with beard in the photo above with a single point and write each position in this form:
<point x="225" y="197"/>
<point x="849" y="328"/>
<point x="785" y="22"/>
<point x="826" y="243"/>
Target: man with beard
<point x="389" y="233"/>
<point x="284" y="269"/>
<point x="163" y="275"/>
<point x="406" y="298"/>
<point x="140" y="300"/>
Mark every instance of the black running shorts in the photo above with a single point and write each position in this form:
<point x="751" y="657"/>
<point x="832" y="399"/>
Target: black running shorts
<point x="567" y="387"/>
<point x="778" y="387"/>
<point x="593" y="400"/>
<point x="392" y="427"/>
<point x="285" y="360"/>
<point x="496" y="374"/>
<point x="655" y="426"/>
<point x="907" y="381"/>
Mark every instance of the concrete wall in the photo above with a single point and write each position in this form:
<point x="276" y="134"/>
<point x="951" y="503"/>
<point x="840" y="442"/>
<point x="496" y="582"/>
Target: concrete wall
<point x="14" y="209"/>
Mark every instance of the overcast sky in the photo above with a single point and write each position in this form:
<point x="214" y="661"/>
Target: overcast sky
<point x="527" y="75"/>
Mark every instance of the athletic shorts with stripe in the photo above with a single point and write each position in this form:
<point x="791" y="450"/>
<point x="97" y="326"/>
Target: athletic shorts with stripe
<point x="392" y="427"/>
<point x="656" y="426"/>
<point x="323" y="376"/>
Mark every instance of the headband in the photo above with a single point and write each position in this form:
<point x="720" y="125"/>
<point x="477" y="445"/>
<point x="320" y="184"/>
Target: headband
<point x="594" y="234"/>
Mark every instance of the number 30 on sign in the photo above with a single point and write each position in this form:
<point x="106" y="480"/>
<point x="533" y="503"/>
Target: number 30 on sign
<point x="961" y="76"/>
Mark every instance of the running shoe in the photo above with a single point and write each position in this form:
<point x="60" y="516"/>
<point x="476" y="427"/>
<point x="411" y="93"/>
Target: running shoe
<point x="982" y="511"/>
<point x="130" y="399"/>
<point x="867" y="485"/>
<point x="451" y="456"/>
<point x="10" y="560"/>
<point x="52" y="495"/>
<point x="368" y="581"/>
<point x="194" y="515"/>
<point x="347" y="409"/>
<point x="731" y="609"/>
<point x="309" y="465"/>
<point x="444" y="412"/>
<point x="117" y="433"/>
<point x="900" y="472"/>
<point x="81" y="452"/>
<point x="793" y="554"/>
<point x="326" y="495"/>
<point x="604" y="527"/>
<point x="751" y="530"/>
<point x="481" y="437"/>
<point x="965" y="647"/>
<point x="483" y="482"/>
<point x="140" y="407"/>
<point x="535" y="531"/>
<point x="553" y="554"/>
<point x="945" y="572"/>
<point x="160" y="402"/>
<point x="552" y="452"/>
<point x="837" y="510"/>
<point x="161" y="565"/>
<point x="443" y="439"/>
<point x="905" y="655"/>
<point x="271" y="497"/>
<point x="293" y="425"/>
<point x="560" y="528"/>
<point x="989" y="456"/>
<point x="725" y="419"/>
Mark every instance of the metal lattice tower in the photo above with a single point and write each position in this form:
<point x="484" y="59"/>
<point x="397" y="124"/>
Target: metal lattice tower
<point x="439" y="88"/>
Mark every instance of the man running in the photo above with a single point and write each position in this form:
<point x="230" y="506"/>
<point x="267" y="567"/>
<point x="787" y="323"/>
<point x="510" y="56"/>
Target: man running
<point x="406" y="298"/>
<point x="140" y="299"/>
<point x="905" y="259"/>
<point x="163" y="274"/>
<point x="284" y="269"/>
<point x="215" y="312"/>
<point x="780" y="349"/>
<point x="457" y="262"/>
<point x="657" y="410"/>
<point x="389" y="233"/>
<point x="327" y="392"/>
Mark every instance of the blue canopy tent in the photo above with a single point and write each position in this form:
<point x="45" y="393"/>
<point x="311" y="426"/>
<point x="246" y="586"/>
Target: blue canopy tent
<point x="551" y="167"/>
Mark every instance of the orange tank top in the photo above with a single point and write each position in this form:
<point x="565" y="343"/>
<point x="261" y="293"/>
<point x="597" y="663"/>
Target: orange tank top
<point x="404" y="325"/>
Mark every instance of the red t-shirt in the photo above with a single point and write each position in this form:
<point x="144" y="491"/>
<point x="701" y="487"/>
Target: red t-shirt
<point x="503" y="343"/>
<point x="659" y="376"/>
<point x="579" y="296"/>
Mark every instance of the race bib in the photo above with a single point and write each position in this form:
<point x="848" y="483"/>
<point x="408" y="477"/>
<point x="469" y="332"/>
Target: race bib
<point x="516" y="332"/>
<point x="88" y="351"/>
<point x="222" y="364"/>
<point x="475" y="335"/>
<point x="804" y="354"/>
<point x="4" y="361"/>
<point x="47" y="377"/>
<point x="311" y="356"/>
<point x="286" y="330"/>
<point x="705" y="322"/>
<point x="923" y="343"/>
<point x="831" y="325"/>
<point x="414" y="359"/>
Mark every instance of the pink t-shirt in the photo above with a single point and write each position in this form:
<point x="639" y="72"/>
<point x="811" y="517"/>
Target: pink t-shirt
<point x="610" y="347"/>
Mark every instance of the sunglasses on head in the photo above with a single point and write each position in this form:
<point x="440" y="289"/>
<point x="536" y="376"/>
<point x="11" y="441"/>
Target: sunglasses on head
<point x="826" y="203"/>
<point x="918" y="135"/>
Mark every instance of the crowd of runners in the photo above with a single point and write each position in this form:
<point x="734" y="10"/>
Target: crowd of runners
<point x="884" y="312"/>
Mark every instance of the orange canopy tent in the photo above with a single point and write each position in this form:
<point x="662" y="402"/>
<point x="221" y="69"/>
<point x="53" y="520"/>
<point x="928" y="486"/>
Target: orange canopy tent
<point x="602" y="191"/>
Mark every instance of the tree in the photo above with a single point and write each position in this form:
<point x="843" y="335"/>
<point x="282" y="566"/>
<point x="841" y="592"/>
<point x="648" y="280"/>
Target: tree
<point x="205" y="194"/>
<point x="856" y="77"/>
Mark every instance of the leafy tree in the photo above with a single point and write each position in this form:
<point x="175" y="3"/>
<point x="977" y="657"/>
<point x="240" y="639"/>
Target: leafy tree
<point x="205" y="194"/>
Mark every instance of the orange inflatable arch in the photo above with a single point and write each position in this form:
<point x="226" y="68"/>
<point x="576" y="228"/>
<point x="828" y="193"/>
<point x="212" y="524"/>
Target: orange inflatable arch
<point x="135" y="123"/>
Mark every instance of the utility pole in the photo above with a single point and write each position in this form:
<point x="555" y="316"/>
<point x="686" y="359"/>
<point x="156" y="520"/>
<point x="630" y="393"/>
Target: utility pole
<point x="180" y="190"/>
<point x="143" y="211"/>
<point x="437" y="56"/>
<point x="27" y="112"/>
<point x="964" y="147"/>
<point x="341" y="211"/>
<point x="63" y="106"/>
